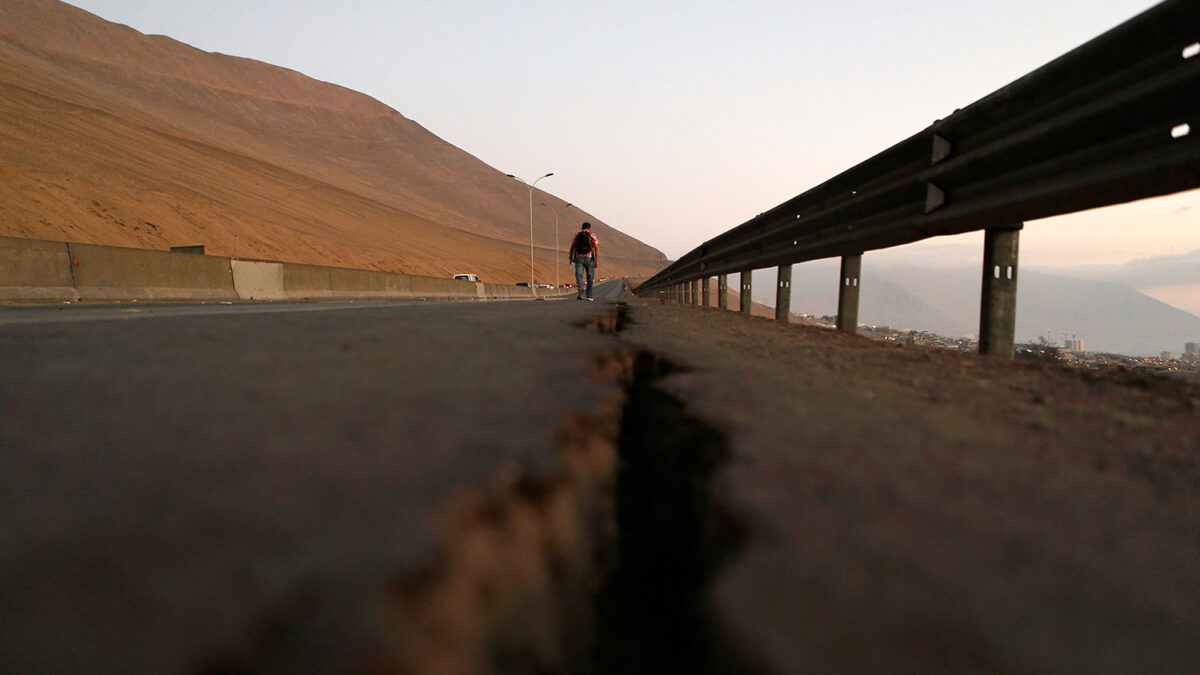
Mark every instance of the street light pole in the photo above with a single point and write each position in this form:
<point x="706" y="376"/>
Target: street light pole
<point x="532" y="285"/>
<point x="556" y="249"/>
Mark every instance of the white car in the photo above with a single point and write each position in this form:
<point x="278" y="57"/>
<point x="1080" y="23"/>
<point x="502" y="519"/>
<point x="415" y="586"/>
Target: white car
<point x="465" y="277"/>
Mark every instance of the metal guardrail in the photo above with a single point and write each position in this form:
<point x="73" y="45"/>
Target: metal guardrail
<point x="1112" y="121"/>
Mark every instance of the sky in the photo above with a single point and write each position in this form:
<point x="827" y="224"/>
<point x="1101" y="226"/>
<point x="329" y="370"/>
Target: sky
<point x="674" y="121"/>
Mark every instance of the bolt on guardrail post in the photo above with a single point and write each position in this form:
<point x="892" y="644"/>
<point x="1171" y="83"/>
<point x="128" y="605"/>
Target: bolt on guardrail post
<point x="847" y="317"/>
<point x="706" y="291"/>
<point x="783" y="294"/>
<point x="723" y="291"/>
<point x="998" y="304"/>
<point x="747" y="283"/>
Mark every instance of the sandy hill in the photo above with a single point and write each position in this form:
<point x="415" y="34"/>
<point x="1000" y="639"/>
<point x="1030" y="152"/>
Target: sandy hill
<point x="111" y="136"/>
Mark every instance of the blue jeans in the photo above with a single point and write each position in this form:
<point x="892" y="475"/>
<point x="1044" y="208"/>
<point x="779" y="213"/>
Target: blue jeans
<point x="582" y="265"/>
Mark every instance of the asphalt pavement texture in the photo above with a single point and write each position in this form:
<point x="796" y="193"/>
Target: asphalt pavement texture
<point x="168" y="471"/>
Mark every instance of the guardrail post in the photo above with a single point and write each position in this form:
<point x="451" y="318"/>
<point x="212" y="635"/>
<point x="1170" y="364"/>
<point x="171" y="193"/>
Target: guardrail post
<point x="847" y="317"/>
<point x="706" y="292"/>
<point x="783" y="294"/>
<point x="998" y="306"/>
<point x="723" y="291"/>
<point x="696" y="292"/>
<point x="747" y="279"/>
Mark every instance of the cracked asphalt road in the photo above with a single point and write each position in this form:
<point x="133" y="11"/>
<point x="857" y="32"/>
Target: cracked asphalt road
<point x="167" y="474"/>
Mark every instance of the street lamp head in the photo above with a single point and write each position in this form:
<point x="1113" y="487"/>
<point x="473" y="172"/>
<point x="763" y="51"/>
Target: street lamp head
<point x="510" y="175"/>
<point x="548" y="175"/>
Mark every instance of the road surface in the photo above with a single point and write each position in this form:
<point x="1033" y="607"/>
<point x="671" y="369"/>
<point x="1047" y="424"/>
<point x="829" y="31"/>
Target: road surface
<point x="170" y="473"/>
<point x="534" y="486"/>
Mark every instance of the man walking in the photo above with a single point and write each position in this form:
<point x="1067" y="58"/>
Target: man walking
<point x="585" y="256"/>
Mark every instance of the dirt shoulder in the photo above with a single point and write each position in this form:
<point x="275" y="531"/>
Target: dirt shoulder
<point x="908" y="509"/>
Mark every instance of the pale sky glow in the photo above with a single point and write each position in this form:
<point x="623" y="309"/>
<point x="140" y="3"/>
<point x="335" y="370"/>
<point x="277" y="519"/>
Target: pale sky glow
<point x="675" y="121"/>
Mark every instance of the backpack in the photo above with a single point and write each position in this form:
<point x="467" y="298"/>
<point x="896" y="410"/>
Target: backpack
<point x="583" y="242"/>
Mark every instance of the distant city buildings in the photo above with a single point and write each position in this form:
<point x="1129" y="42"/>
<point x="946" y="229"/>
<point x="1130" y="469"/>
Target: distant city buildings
<point x="1191" y="352"/>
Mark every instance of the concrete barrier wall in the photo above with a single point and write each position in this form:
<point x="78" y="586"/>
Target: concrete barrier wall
<point x="315" y="282"/>
<point x="33" y="270"/>
<point x="258" y="280"/>
<point x="115" y="273"/>
<point x="504" y="292"/>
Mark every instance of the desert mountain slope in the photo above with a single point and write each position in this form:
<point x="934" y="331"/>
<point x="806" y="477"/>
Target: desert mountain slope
<point x="111" y="136"/>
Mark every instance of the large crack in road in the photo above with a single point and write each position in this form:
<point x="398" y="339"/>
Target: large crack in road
<point x="603" y="568"/>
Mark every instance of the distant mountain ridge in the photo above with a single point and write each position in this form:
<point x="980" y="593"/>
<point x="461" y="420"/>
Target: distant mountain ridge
<point x="111" y="136"/>
<point x="1107" y="316"/>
